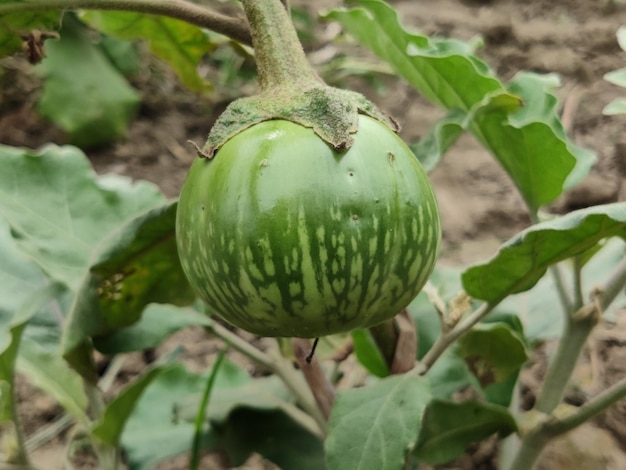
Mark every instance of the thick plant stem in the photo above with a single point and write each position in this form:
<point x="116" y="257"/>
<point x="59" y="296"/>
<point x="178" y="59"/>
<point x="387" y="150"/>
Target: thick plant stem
<point x="278" y="53"/>
<point x="184" y="10"/>
<point x="532" y="447"/>
<point x="577" y="330"/>
<point x="562" y="365"/>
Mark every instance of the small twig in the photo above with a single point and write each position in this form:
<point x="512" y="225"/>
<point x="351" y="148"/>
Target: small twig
<point x="319" y="384"/>
<point x="578" y="284"/>
<point x="566" y="302"/>
<point x="446" y="339"/>
<point x="234" y="28"/>
<point x="432" y="293"/>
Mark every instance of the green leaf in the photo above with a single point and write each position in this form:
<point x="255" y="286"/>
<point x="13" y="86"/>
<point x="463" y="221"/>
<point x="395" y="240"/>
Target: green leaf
<point x="83" y="93"/>
<point x="536" y="126"/>
<point x="59" y="211"/>
<point x="448" y="428"/>
<point x="12" y="328"/>
<point x="616" y="77"/>
<point x="272" y="434"/>
<point x="520" y="133"/>
<point x="156" y="430"/>
<point x="493" y="351"/>
<point x="158" y="321"/>
<point x="449" y="375"/>
<point x="48" y="371"/>
<point x="178" y="43"/>
<point x="110" y="426"/>
<point x="432" y="66"/>
<point x="523" y="260"/>
<point x="617" y="106"/>
<point x="431" y="147"/>
<point x="11" y="335"/>
<point x="369" y="354"/>
<point x="373" y="427"/>
<point x="621" y="37"/>
<point x="136" y="264"/>
<point x="540" y="309"/>
<point x="19" y="279"/>
<point x="15" y="24"/>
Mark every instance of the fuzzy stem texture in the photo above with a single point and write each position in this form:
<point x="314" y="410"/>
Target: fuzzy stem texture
<point x="577" y="330"/>
<point x="278" y="53"/>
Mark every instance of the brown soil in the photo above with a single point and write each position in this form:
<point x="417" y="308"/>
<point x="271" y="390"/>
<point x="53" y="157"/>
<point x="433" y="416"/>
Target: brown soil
<point x="480" y="207"/>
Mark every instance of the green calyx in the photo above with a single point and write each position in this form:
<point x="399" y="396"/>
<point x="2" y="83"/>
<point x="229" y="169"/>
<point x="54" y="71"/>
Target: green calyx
<point x="331" y="112"/>
<point x="290" y="89"/>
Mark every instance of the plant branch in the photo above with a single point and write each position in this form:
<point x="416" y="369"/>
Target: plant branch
<point x="279" y="366"/>
<point x="234" y="28"/>
<point x="577" y="330"/>
<point x="578" y="326"/>
<point x="445" y="339"/>
<point x="578" y="284"/>
<point x="566" y="302"/>
<point x="562" y="365"/>
<point x="560" y="425"/>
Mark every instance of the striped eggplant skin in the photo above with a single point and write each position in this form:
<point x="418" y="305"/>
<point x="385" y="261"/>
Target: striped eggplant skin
<point x="283" y="236"/>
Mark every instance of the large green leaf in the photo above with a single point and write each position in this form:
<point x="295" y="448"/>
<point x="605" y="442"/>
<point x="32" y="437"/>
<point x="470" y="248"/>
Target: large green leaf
<point x="180" y="44"/>
<point x="60" y="211"/>
<point x="530" y="143"/>
<point x="158" y="321"/>
<point x="10" y="339"/>
<point x="524" y="259"/>
<point x="273" y="435"/>
<point x="154" y="430"/>
<point x="444" y="70"/>
<point x="47" y="370"/>
<point x="245" y="416"/>
<point x="374" y="427"/>
<point x="23" y="289"/>
<point x="14" y="25"/>
<point x="136" y="264"/>
<point x="110" y="426"/>
<point x="19" y="278"/>
<point x="517" y="124"/>
<point x="448" y="428"/>
<point x="83" y="93"/>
